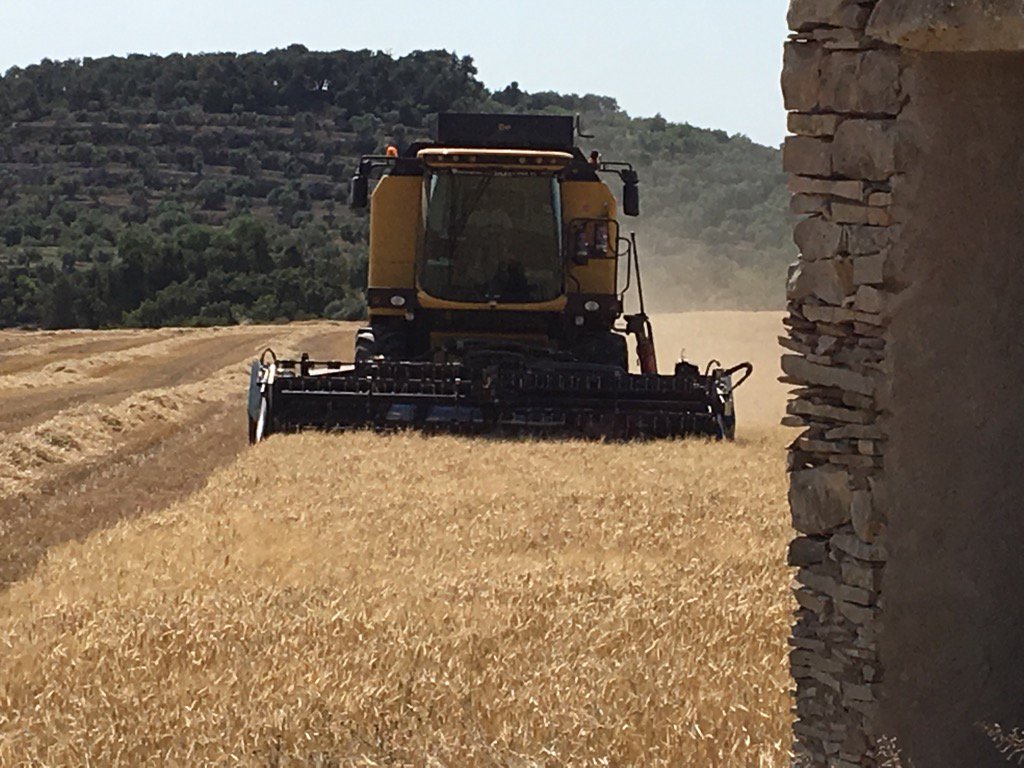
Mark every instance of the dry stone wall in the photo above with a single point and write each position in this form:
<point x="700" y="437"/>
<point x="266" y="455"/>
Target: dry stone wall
<point x="903" y="122"/>
<point x="844" y="90"/>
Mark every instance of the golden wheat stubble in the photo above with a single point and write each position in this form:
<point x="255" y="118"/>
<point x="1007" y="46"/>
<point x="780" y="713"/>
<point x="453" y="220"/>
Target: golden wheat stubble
<point x="420" y="601"/>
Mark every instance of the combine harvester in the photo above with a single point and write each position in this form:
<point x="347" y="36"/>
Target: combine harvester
<point x="497" y="279"/>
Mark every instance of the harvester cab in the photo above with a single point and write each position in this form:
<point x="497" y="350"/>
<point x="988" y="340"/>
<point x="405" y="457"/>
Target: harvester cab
<point x="498" y="273"/>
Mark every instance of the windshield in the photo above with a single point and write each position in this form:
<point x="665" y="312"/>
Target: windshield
<point x="492" y="238"/>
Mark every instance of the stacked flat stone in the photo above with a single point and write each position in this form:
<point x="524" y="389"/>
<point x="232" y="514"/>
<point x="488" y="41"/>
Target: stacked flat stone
<point x="843" y="89"/>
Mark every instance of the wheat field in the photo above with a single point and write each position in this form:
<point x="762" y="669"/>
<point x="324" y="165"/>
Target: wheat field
<point x="365" y="600"/>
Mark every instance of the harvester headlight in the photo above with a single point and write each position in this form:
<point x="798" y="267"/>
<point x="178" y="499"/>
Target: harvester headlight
<point x="398" y="301"/>
<point x="591" y="306"/>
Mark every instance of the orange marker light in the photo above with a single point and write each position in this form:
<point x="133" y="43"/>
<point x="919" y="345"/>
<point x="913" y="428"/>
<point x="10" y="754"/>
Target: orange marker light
<point x="391" y="151"/>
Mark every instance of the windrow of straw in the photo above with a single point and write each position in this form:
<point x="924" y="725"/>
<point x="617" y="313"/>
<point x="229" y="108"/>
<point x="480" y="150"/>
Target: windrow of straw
<point x="46" y="343"/>
<point x="78" y="435"/>
<point x="61" y="368"/>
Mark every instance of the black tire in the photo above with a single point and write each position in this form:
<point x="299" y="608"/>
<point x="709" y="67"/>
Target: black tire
<point x="605" y="349"/>
<point x="366" y="345"/>
<point x="380" y="341"/>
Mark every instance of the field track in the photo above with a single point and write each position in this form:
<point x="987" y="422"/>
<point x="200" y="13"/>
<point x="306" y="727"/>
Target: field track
<point x="169" y="596"/>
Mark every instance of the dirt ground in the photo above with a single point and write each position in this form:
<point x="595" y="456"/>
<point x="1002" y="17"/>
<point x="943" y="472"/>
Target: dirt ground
<point x="504" y="603"/>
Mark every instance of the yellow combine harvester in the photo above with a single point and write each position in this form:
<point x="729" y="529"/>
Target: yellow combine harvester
<point x="498" y="272"/>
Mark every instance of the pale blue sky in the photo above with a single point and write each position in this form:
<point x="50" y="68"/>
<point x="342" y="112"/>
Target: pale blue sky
<point x="713" y="63"/>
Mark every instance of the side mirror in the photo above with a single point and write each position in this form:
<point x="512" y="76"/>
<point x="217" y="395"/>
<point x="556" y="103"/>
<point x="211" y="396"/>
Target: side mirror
<point x="359" y="191"/>
<point x="630" y="193"/>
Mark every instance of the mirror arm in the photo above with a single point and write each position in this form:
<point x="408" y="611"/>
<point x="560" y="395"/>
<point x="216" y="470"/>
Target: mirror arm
<point x="370" y="163"/>
<point x="620" y="169"/>
<point x="364" y="173"/>
<point x="630" y="183"/>
<point x="579" y="128"/>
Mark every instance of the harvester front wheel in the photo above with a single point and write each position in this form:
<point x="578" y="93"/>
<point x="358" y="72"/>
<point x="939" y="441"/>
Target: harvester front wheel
<point x="605" y="349"/>
<point x="380" y="340"/>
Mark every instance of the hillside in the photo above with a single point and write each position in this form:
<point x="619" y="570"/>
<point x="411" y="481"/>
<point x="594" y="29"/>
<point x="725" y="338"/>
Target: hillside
<point x="209" y="189"/>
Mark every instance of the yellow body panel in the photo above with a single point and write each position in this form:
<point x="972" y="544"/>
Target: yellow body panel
<point x="394" y="232"/>
<point x="590" y="200"/>
<point x="429" y="302"/>
<point x="395" y="224"/>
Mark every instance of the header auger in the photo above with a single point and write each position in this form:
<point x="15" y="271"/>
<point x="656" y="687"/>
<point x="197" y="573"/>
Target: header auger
<point x="494" y="302"/>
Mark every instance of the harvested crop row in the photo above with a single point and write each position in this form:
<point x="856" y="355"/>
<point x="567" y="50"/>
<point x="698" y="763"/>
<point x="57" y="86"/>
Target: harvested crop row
<point x="17" y="342"/>
<point x="29" y="355"/>
<point x="366" y="600"/>
<point x="57" y="368"/>
<point x="85" y="433"/>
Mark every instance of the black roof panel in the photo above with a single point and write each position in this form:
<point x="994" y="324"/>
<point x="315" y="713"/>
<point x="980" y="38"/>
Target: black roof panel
<point x="540" y="132"/>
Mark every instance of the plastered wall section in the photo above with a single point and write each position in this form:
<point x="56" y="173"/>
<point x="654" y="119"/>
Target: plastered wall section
<point x="903" y="347"/>
<point x="953" y="644"/>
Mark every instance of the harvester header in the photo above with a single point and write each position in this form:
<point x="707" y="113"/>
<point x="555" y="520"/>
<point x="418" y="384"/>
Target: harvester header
<point x="498" y="276"/>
